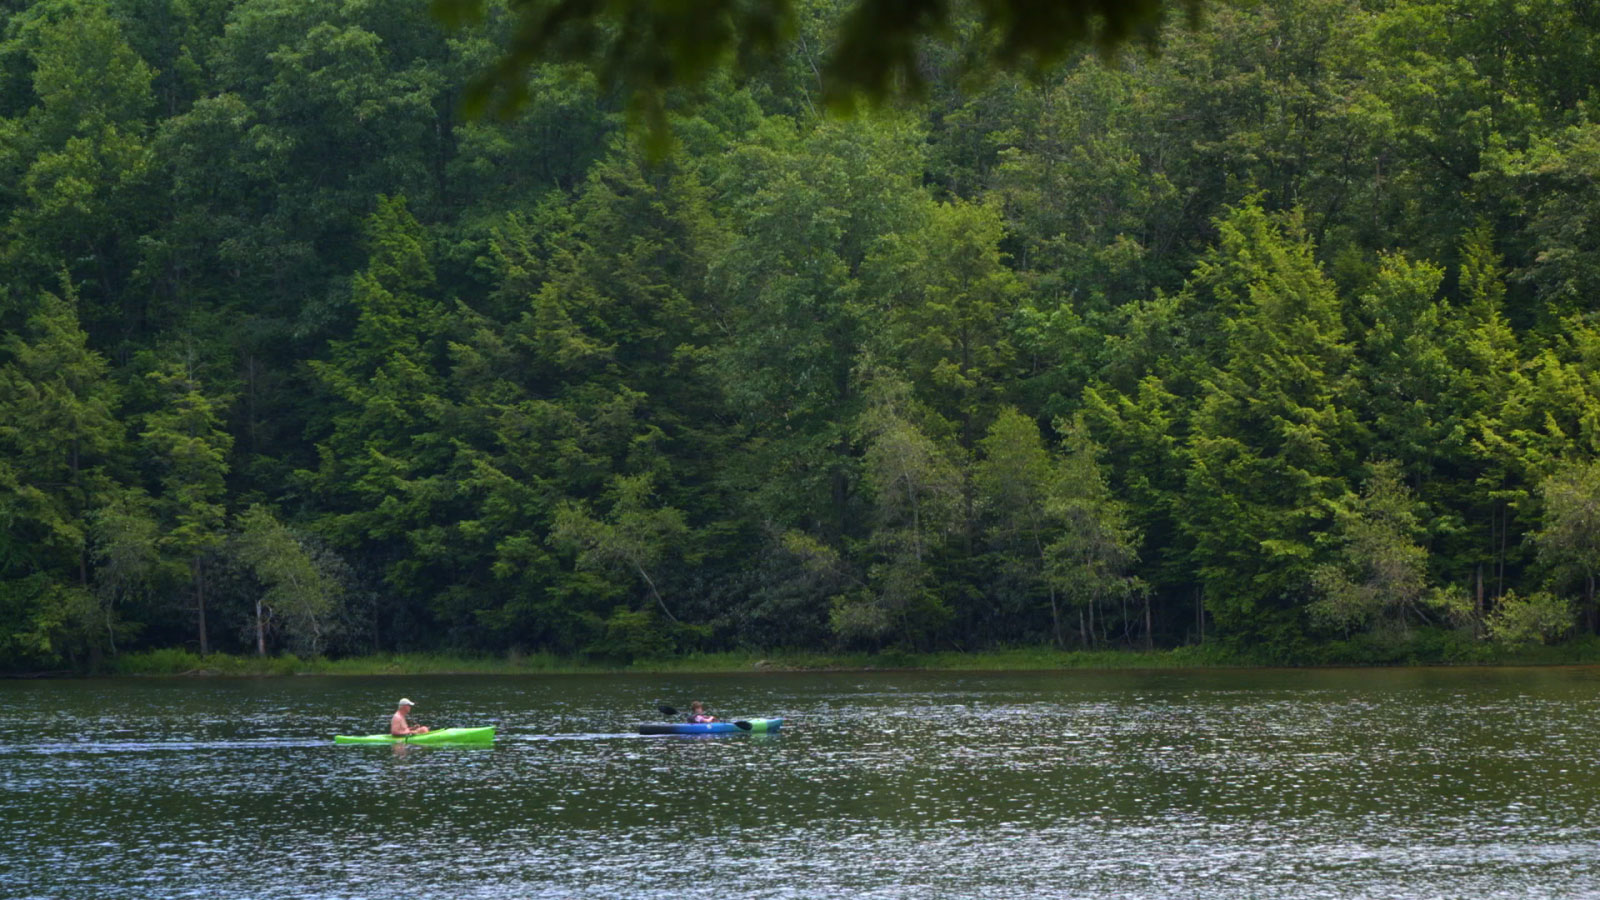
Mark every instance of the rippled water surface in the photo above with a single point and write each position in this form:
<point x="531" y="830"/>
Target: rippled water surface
<point x="1215" y="784"/>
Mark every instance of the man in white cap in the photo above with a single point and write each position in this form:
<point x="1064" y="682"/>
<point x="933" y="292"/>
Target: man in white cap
<point x="400" y="726"/>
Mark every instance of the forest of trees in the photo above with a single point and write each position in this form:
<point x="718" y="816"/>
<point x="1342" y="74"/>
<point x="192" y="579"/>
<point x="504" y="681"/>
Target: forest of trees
<point x="1282" y="336"/>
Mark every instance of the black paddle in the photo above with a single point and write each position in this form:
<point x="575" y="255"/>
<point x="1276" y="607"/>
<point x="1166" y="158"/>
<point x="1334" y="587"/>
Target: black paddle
<point x="669" y="711"/>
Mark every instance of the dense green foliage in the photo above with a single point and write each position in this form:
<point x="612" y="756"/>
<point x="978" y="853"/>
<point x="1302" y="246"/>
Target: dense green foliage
<point x="1282" y="339"/>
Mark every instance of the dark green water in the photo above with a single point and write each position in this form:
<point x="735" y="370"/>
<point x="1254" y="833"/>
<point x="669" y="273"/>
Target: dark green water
<point x="1283" y="784"/>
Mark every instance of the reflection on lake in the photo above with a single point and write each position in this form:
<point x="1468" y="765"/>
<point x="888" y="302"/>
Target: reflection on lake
<point x="1199" y="784"/>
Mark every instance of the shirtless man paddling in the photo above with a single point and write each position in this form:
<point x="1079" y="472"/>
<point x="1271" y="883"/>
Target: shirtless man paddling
<point x="399" y="726"/>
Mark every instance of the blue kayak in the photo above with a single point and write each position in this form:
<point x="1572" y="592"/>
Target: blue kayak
<point x="757" y="726"/>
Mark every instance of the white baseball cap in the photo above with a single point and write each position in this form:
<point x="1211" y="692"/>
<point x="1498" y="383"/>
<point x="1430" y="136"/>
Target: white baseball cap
<point x="405" y="702"/>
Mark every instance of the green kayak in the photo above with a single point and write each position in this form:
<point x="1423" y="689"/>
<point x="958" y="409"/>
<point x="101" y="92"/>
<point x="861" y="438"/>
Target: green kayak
<point x="478" y="736"/>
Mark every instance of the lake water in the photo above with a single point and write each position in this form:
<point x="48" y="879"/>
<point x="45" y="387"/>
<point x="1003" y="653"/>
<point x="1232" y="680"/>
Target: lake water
<point x="1390" y="783"/>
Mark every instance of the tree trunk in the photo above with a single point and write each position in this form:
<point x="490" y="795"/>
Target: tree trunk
<point x="1149" y="626"/>
<point x="1477" y="622"/>
<point x="1500" y="563"/>
<point x="1055" y="620"/>
<point x="200" y="605"/>
<point x="839" y="485"/>
<point x="83" y="549"/>
<point x="1589" y="602"/>
<point x="261" y="631"/>
<point x="655" y="593"/>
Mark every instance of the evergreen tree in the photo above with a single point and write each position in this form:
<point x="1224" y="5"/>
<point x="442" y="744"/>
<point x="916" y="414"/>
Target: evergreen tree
<point x="805" y="210"/>
<point x="946" y="295"/>
<point x="187" y="450"/>
<point x="58" y="437"/>
<point x="383" y="445"/>
<point x="1484" y="483"/>
<point x="1272" y="438"/>
<point x="1145" y="441"/>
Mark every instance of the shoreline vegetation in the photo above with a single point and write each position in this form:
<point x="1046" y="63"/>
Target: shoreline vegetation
<point x="179" y="663"/>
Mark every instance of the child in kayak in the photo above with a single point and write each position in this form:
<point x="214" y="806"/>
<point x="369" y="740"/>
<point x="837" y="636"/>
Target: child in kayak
<point x="697" y="713"/>
<point x="400" y="726"/>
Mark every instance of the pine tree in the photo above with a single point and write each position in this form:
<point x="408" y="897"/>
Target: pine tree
<point x="385" y="441"/>
<point x="187" y="448"/>
<point x="1272" y="438"/>
<point x="58" y="435"/>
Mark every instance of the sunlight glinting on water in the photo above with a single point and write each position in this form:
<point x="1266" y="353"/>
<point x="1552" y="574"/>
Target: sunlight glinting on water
<point x="1348" y="784"/>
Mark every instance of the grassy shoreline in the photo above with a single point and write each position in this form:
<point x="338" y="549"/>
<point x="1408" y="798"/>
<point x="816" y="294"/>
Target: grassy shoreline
<point x="178" y="663"/>
<point x="172" y="663"/>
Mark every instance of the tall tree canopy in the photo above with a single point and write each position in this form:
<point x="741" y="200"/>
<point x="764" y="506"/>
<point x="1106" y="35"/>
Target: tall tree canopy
<point x="1281" y="335"/>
